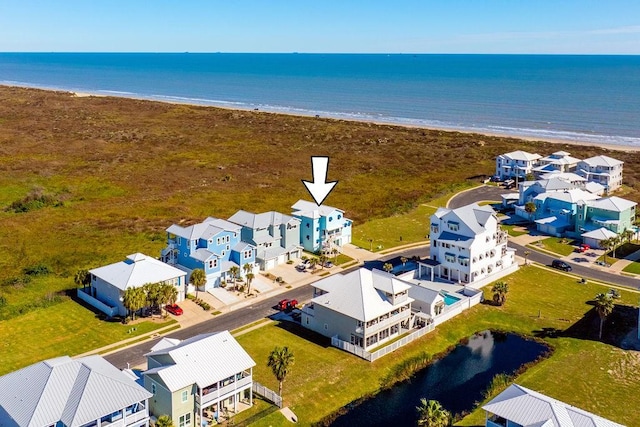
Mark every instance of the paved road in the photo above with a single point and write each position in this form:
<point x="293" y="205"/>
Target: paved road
<point x="486" y="192"/>
<point x="578" y="269"/>
<point x="232" y="320"/>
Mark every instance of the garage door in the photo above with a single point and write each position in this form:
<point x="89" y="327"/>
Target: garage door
<point x="270" y="264"/>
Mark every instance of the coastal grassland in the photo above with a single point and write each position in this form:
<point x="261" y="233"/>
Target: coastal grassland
<point x="67" y="328"/>
<point x="324" y="379"/>
<point x="124" y="170"/>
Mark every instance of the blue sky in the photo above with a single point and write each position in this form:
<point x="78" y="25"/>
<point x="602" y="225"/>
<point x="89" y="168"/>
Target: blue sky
<point x="408" y="26"/>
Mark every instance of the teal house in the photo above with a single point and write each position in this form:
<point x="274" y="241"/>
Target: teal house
<point x="322" y="228"/>
<point x="613" y="213"/>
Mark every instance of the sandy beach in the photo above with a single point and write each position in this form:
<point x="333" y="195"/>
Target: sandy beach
<point x="612" y="147"/>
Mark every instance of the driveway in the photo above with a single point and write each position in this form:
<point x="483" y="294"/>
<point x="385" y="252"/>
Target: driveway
<point x="478" y="194"/>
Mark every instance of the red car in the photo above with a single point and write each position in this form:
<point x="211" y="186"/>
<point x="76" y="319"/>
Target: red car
<point x="583" y="248"/>
<point x="286" y="304"/>
<point x="174" y="309"/>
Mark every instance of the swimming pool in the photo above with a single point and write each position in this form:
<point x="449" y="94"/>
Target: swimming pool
<point x="449" y="299"/>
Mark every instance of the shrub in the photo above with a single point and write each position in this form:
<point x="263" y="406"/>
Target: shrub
<point x="36" y="199"/>
<point x="37" y="270"/>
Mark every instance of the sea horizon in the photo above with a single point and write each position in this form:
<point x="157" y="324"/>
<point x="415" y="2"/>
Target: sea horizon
<point x="561" y="98"/>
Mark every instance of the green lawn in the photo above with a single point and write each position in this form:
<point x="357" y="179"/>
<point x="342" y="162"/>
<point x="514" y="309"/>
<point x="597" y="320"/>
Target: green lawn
<point x="323" y="379"/>
<point x="634" y="268"/>
<point x="67" y="328"/>
<point x="556" y="245"/>
<point x="514" y="230"/>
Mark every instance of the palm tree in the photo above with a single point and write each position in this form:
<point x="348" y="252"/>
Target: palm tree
<point x="615" y="243"/>
<point x="313" y="262"/>
<point x="280" y="361"/>
<point x="198" y="278"/>
<point x="152" y="293"/>
<point x="526" y="256"/>
<point x="164" y="421"/>
<point x="403" y="260"/>
<point x="322" y="259"/>
<point x="234" y="271"/>
<point x="604" y="307"/>
<point x="168" y="295"/>
<point x="82" y="277"/>
<point x="500" y="290"/>
<point x="432" y="414"/>
<point x="628" y="235"/>
<point x="387" y="267"/>
<point x="248" y="268"/>
<point x="129" y="301"/>
<point x="335" y="253"/>
<point x="250" y="277"/>
<point x="606" y="244"/>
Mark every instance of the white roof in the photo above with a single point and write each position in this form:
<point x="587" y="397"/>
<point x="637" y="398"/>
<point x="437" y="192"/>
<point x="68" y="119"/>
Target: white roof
<point x="360" y="294"/>
<point x="135" y="271"/>
<point x="599" y="234"/>
<point x="63" y="389"/>
<point x="312" y="210"/>
<point x="554" y="184"/>
<point x="565" y="176"/>
<point x="473" y="216"/>
<point x="529" y="408"/>
<point x="602" y="161"/>
<point x="262" y="220"/>
<point x="522" y="155"/>
<point x="207" y="229"/>
<point x="613" y="203"/>
<point x="594" y="187"/>
<point x="428" y="295"/>
<point x="571" y="196"/>
<point x="560" y="158"/>
<point x="203" y="360"/>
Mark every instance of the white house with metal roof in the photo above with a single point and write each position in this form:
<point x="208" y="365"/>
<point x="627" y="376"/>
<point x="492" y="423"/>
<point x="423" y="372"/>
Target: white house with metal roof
<point x="276" y="236"/>
<point x="65" y="392"/>
<point x="603" y="170"/>
<point x="208" y="371"/>
<point x="518" y="406"/>
<point x="560" y="161"/>
<point x="365" y="308"/>
<point x="517" y="164"/>
<point x="468" y="246"/>
<point x="109" y="283"/>
<point x="323" y="227"/>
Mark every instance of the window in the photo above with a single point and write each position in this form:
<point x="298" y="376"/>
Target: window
<point x="179" y="240"/>
<point x="453" y="226"/>
<point x="218" y="241"/>
<point x="153" y="388"/>
<point x="326" y="327"/>
<point x="247" y="254"/>
<point x="184" y="396"/>
<point x="223" y="252"/>
<point x="227" y="240"/>
<point x="185" y="420"/>
<point x="308" y="238"/>
<point x="330" y="218"/>
<point x="308" y="225"/>
<point x="228" y="247"/>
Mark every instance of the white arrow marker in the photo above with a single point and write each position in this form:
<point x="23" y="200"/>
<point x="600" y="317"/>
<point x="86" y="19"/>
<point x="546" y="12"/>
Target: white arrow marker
<point x="319" y="188"/>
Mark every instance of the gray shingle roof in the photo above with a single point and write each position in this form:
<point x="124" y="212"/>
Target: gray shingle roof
<point x="311" y="210"/>
<point x="262" y="220"/>
<point x="207" y="229"/>
<point x="473" y="216"/>
<point x="63" y="389"/>
<point x="602" y="161"/>
<point x="613" y="203"/>
<point x="522" y="155"/>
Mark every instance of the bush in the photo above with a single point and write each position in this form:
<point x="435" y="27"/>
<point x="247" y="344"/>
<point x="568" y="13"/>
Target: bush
<point x="37" y="270"/>
<point x="36" y="199"/>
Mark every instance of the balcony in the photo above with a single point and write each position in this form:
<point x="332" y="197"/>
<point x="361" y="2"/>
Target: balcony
<point x="224" y="392"/>
<point x="131" y="418"/>
<point x="386" y="323"/>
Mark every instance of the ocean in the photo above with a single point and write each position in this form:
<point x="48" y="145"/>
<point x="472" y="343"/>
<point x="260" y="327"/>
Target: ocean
<point x="563" y="97"/>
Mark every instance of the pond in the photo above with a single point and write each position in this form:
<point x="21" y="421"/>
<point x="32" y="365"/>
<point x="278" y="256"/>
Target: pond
<point x="456" y="381"/>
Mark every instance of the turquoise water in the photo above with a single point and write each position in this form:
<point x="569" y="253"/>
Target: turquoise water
<point x="572" y="97"/>
<point x="449" y="300"/>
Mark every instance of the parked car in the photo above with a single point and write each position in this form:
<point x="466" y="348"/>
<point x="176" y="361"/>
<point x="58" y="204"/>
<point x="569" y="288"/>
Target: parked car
<point x="174" y="309"/>
<point x="287" y="304"/>
<point x="495" y="178"/>
<point x="301" y="267"/>
<point x="328" y="264"/>
<point x="560" y="265"/>
<point x="583" y="248"/>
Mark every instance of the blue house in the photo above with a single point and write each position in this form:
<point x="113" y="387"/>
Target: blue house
<point x="556" y="211"/>
<point x="214" y="245"/>
<point x="322" y="228"/>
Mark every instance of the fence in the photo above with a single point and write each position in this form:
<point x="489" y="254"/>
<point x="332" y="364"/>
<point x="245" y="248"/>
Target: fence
<point x="268" y="394"/>
<point x="360" y="352"/>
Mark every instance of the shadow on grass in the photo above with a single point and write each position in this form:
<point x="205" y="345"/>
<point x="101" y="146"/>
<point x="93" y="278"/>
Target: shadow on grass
<point x="305" y="333"/>
<point x="259" y="415"/>
<point x="615" y="330"/>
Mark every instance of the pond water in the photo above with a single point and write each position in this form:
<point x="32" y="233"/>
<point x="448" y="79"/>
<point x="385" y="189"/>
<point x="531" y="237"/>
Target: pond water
<point x="456" y="381"/>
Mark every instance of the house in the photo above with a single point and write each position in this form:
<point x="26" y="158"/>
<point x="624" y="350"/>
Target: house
<point x="275" y="236"/>
<point x="468" y="246"/>
<point x="560" y="161"/>
<point x="518" y="406"/>
<point x="613" y="213"/>
<point x="109" y="283"/>
<point x="365" y="308"/>
<point x="214" y="245"/>
<point x="556" y="211"/>
<point x="323" y="227"/>
<point x="208" y="371"/>
<point x="517" y="164"/>
<point x="603" y="170"/>
<point x="66" y="392"/>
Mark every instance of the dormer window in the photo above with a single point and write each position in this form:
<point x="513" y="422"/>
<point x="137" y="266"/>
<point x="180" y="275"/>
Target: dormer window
<point x="453" y="226"/>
